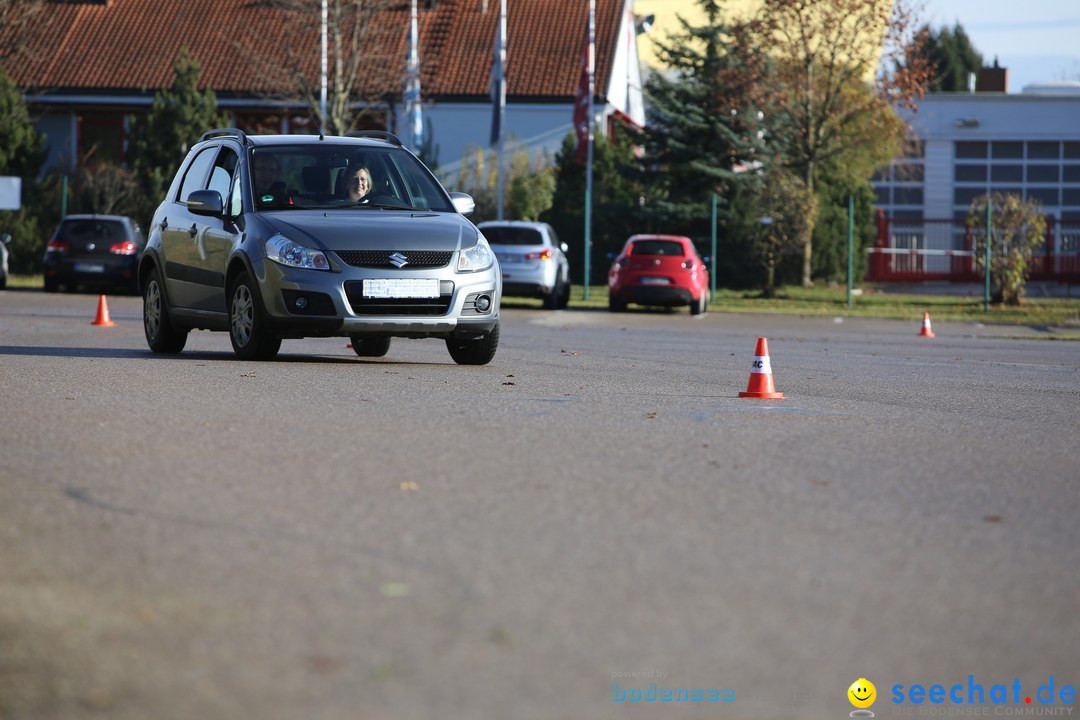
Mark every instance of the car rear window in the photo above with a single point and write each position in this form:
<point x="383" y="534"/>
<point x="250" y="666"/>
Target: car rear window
<point x="82" y="230"/>
<point x="657" y="247"/>
<point x="512" y="235"/>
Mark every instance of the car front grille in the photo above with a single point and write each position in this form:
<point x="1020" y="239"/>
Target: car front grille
<point x="381" y="258"/>
<point x="354" y="291"/>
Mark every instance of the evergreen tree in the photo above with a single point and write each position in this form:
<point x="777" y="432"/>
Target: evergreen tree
<point x="951" y="56"/>
<point x="176" y="119"/>
<point x="22" y="152"/>
<point x="615" y="203"/>
<point x="703" y="122"/>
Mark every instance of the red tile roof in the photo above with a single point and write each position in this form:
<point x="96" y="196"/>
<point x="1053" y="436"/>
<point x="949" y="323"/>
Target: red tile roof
<point x="128" y="46"/>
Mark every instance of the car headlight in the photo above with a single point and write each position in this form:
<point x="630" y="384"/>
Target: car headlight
<point x="478" y="257"/>
<point x="282" y="250"/>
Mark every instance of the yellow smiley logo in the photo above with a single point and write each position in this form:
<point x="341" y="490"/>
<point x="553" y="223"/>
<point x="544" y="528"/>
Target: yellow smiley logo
<point x="862" y="693"/>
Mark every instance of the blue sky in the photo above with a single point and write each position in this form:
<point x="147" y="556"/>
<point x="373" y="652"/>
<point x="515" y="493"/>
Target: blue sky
<point x="1038" y="40"/>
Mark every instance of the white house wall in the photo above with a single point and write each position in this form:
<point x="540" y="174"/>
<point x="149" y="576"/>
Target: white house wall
<point x="455" y="127"/>
<point x="624" y="85"/>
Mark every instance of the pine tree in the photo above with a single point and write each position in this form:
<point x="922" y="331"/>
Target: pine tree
<point x="952" y="56"/>
<point x="22" y="148"/>
<point x="703" y="122"/>
<point x="615" y="203"/>
<point x="176" y="119"/>
<point x="22" y="153"/>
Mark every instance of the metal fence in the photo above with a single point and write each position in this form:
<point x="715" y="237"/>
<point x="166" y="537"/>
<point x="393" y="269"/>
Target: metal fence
<point x="917" y="249"/>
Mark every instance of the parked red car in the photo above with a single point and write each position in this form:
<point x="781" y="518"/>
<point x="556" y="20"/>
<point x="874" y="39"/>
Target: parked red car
<point x="658" y="270"/>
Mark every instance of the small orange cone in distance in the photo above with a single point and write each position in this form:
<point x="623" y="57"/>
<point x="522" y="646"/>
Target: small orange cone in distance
<point x="926" y="331"/>
<point x="103" y="314"/>
<point x="761" y="380"/>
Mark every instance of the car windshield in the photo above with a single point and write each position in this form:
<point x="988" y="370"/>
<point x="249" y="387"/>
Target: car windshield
<point x="328" y="176"/>
<point x="508" y="235"/>
<point x="657" y="247"/>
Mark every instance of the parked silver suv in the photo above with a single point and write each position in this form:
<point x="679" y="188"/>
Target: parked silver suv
<point x="288" y="236"/>
<point x="532" y="259"/>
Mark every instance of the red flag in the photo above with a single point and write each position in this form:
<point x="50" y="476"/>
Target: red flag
<point x="581" y="108"/>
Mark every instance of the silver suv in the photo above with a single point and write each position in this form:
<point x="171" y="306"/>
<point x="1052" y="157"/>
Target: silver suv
<point x="532" y="259"/>
<point x="289" y="236"/>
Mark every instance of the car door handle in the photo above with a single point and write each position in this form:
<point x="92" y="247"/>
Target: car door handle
<point x="193" y="230"/>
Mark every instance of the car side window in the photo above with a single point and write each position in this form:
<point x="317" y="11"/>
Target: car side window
<point x="554" y="238"/>
<point x="196" y="173"/>
<point x="221" y="175"/>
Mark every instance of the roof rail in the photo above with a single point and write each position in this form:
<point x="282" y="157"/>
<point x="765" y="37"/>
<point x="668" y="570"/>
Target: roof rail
<point x="226" y="131"/>
<point x="377" y="135"/>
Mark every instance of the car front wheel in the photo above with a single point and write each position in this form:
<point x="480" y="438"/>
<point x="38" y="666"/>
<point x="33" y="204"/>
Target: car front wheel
<point x="251" y="336"/>
<point x="474" y="351"/>
<point x="161" y="336"/>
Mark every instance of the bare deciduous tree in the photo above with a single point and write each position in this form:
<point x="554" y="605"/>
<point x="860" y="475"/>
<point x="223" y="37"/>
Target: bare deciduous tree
<point x="822" y="104"/>
<point x="361" y="69"/>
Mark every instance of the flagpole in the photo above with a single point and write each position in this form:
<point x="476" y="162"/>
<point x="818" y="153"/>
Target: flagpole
<point x="502" y="103"/>
<point x="412" y="91"/>
<point x="322" y="77"/>
<point x="589" y="156"/>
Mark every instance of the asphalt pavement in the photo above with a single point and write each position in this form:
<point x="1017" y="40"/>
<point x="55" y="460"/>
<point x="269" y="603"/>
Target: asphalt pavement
<point x="326" y="536"/>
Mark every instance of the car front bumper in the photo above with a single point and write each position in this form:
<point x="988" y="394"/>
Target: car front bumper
<point x="669" y="295"/>
<point x="303" y="303"/>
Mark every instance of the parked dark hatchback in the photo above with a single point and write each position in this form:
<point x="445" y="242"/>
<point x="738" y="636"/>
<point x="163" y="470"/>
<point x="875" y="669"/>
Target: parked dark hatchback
<point x="101" y="251"/>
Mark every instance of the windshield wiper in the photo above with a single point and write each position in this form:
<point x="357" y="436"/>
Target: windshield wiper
<point x="386" y="206"/>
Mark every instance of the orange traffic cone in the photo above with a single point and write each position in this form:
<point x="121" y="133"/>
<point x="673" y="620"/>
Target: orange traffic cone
<point x="926" y="329"/>
<point x="103" y="314"/>
<point x="761" y="381"/>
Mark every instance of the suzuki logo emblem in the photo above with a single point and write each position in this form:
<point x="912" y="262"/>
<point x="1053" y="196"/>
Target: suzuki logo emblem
<point x="398" y="260"/>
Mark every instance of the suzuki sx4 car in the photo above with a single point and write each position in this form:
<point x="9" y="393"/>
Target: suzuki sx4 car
<point x="291" y="236"/>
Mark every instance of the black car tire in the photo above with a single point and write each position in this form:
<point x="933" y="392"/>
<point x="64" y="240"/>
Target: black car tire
<point x="161" y="336"/>
<point x="251" y="336"/>
<point x="551" y="299"/>
<point x="3" y="281"/>
<point x="370" y="345"/>
<point x="699" y="306"/>
<point x="616" y="305"/>
<point x="564" y="296"/>
<point x="50" y="286"/>
<point x="474" y="351"/>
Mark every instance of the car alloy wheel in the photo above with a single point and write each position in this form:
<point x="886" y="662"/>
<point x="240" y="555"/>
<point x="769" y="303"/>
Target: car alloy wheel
<point x="242" y="315"/>
<point x="160" y="334"/>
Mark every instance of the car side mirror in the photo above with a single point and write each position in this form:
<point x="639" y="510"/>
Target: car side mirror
<point x="463" y="202"/>
<point x="205" y="202"/>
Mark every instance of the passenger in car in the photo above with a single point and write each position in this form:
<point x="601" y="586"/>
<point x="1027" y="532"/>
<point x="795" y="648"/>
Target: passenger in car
<point x="358" y="183"/>
<point x="265" y="169"/>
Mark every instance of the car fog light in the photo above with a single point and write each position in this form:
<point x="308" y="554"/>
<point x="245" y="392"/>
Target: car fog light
<point x="300" y="302"/>
<point x="483" y="303"/>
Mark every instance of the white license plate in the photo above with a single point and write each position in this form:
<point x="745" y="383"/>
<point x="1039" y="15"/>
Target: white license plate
<point x="89" y="268"/>
<point x="655" y="281"/>
<point x="401" y="288"/>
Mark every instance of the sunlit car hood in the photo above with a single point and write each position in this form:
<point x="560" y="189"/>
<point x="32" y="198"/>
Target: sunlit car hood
<point x="356" y="229"/>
